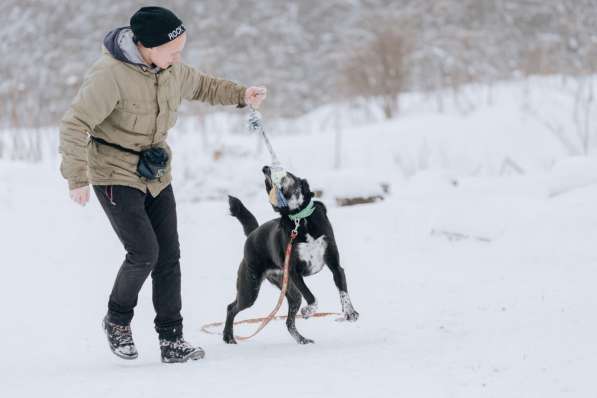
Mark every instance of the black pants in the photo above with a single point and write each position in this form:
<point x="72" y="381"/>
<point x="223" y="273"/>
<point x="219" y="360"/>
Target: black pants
<point x="147" y="228"/>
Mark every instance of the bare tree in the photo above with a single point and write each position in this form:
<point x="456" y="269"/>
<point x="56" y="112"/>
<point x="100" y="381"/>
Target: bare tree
<point x="379" y="68"/>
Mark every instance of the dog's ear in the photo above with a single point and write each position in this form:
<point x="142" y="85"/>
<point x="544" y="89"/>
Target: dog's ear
<point x="268" y="185"/>
<point x="325" y="210"/>
<point x="305" y="189"/>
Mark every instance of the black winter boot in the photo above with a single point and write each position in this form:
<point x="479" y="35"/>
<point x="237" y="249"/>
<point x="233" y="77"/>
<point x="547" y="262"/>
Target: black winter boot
<point x="178" y="350"/>
<point x="120" y="339"/>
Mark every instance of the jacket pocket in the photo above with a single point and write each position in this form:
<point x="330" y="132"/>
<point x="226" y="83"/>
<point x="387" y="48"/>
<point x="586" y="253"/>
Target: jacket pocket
<point x="135" y="116"/>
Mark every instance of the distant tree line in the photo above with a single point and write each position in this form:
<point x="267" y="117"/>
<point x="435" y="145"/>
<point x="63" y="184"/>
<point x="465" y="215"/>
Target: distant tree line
<point x="308" y="52"/>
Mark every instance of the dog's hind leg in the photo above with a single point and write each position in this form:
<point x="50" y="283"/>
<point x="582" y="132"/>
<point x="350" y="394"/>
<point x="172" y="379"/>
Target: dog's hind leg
<point x="311" y="307"/>
<point x="294" y="303"/>
<point x="247" y="290"/>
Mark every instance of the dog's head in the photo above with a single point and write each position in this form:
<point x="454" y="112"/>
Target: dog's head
<point x="292" y="190"/>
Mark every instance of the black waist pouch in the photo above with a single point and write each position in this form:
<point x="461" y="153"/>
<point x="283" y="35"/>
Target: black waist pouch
<point x="152" y="162"/>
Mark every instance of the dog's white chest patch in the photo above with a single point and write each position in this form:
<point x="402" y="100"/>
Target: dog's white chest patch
<point x="312" y="252"/>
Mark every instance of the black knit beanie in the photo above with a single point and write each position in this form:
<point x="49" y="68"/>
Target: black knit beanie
<point x="154" y="26"/>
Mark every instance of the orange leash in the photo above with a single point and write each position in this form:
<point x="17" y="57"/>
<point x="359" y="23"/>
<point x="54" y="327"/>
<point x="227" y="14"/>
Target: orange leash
<point x="206" y="328"/>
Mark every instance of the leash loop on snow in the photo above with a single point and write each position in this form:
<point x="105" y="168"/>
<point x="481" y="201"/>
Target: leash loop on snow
<point x="207" y="328"/>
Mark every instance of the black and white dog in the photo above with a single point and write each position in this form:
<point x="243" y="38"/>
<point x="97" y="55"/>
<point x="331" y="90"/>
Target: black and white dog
<point x="264" y="250"/>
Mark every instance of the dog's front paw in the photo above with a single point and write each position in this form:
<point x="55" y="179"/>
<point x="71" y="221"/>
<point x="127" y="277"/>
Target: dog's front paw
<point x="309" y="310"/>
<point x="351" y="316"/>
<point x="229" y="339"/>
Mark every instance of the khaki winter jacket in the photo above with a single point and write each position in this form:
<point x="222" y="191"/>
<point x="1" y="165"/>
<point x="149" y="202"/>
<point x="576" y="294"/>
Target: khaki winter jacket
<point x="124" y="104"/>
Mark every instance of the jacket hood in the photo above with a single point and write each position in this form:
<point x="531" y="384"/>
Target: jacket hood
<point x="119" y="43"/>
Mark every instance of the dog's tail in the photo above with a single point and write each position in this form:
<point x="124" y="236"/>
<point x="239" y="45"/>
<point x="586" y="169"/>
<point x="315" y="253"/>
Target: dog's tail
<point x="238" y="210"/>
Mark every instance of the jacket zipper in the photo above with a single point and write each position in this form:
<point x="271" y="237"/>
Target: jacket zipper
<point x="157" y="100"/>
<point x="155" y="129"/>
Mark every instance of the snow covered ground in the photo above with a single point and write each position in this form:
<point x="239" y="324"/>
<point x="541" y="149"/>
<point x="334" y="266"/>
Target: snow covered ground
<point x="468" y="284"/>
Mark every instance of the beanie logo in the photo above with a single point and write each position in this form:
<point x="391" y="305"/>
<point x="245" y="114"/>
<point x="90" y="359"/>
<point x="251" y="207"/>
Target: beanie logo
<point x="176" y="32"/>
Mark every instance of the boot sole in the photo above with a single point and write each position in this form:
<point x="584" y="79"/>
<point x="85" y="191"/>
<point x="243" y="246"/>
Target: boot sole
<point x="119" y="355"/>
<point x="195" y="356"/>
